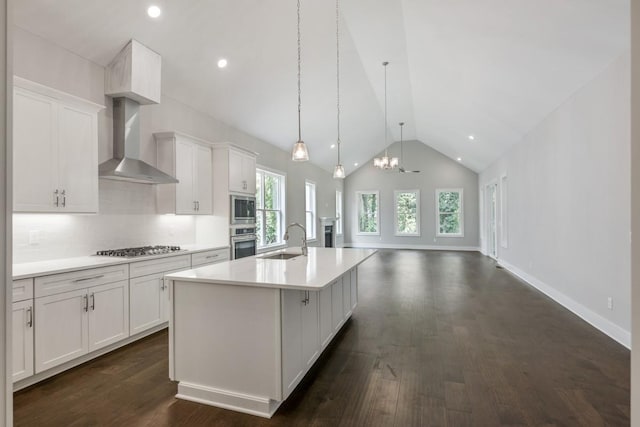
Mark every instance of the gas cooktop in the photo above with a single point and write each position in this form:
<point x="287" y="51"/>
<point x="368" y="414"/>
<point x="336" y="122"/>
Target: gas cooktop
<point x="141" y="251"/>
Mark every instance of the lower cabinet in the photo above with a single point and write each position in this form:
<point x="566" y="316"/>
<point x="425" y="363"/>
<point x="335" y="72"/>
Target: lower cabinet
<point x="22" y="344"/>
<point x="326" y="318"/>
<point x="149" y="302"/>
<point x="74" y="323"/>
<point x="300" y="336"/>
<point x="337" y="312"/>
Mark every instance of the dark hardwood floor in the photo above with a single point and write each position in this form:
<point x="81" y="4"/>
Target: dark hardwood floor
<point x="438" y="339"/>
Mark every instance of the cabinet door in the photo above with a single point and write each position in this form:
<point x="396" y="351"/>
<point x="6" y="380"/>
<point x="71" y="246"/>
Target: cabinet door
<point x="62" y="331"/>
<point x="35" y="156"/>
<point x="22" y="339"/>
<point x="346" y="295"/>
<point x="310" y="330"/>
<point x="165" y="302"/>
<point x="236" y="177"/>
<point x="292" y="366"/>
<point x="78" y="160"/>
<point x="108" y="314"/>
<point x="146" y="295"/>
<point x="249" y="174"/>
<point x="203" y="181"/>
<point x="326" y="320"/>
<point x="354" y="288"/>
<point x="185" y="201"/>
<point x="337" y="308"/>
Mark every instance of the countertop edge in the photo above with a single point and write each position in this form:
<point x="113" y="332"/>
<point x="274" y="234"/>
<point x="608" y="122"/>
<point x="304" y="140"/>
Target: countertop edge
<point x="107" y="261"/>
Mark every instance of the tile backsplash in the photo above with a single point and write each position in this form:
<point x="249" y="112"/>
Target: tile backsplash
<point x="127" y="218"/>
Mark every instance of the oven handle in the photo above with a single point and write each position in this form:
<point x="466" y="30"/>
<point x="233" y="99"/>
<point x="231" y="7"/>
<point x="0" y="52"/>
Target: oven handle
<point x="244" y="238"/>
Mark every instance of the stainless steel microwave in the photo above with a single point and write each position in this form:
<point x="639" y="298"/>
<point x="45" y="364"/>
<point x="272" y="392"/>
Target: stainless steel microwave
<point x="243" y="209"/>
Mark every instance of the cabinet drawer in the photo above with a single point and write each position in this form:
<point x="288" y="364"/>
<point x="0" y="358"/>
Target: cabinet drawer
<point x="22" y="289"/>
<point x="160" y="265"/>
<point x="209" y="257"/>
<point x="64" y="282"/>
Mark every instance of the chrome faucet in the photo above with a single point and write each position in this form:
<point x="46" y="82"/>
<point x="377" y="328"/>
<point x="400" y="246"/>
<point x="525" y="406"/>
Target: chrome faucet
<point x="305" y="251"/>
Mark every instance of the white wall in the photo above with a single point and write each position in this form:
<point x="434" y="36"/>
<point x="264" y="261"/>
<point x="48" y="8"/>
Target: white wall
<point x="635" y="212"/>
<point x="127" y="211"/>
<point x="568" y="203"/>
<point x="437" y="171"/>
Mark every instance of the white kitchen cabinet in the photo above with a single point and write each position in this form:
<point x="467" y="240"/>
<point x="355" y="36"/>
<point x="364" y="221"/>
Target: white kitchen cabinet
<point x="337" y="307"/>
<point x="55" y="150"/>
<point x="22" y="339"/>
<point x="209" y="257"/>
<point x="72" y="324"/>
<point x="354" y="288"/>
<point x="300" y="336"/>
<point x="242" y="172"/>
<point x="326" y="319"/>
<point x="346" y="295"/>
<point x="147" y="297"/>
<point x="190" y="160"/>
<point x="108" y="314"/>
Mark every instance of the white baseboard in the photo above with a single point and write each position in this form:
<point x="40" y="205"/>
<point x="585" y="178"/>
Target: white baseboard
<point x="401" y="246"/>
<point x="594" y="319"/>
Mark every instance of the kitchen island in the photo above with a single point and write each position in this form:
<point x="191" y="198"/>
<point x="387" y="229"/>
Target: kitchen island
<point x="243" y="333"/>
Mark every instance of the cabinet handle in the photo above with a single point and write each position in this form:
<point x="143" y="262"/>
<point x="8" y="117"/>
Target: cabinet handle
<point x="64" y="198"/>
<point x="194" y="205"/>
<point x="93" y="301"/>
<point x="30" y="317"/>
<point x="162" y="286"/>
<point x="198" y="205"/>
<point x="57" y="198"/>
<point x="305" y="301"/>
<point x="86" y="303"/>
<point x="89" y="278"/>
<point x="212" y="256"/>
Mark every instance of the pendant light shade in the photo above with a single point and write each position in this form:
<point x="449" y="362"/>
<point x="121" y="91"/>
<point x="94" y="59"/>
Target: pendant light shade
<point x="299" y="152"/>
<point x="338" y="171"/>
<point x="385" y="162"/>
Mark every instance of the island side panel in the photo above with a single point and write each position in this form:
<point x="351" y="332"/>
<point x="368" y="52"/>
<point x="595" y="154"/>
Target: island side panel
<point x="228" y="338"/>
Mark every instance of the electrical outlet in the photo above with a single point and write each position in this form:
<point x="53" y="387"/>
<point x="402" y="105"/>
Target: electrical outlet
<point x="34" y="237"/>
<point x="610" y="303"/>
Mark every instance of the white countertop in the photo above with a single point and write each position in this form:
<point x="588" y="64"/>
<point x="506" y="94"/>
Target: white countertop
<point x="54" y="266"/>
<point x="313" y="272"/>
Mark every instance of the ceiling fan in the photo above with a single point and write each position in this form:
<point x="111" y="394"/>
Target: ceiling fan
<point x="401" y="169"/>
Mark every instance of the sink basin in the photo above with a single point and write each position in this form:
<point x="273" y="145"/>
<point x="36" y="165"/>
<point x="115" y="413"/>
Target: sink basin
<point x="282" y="255"/>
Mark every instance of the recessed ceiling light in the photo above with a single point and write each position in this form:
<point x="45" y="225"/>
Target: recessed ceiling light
<point x="333" y="145"/>
<point x="154" y="11"/>
<point x="471" y="137"/>
<point x="222" y="63"/>
<point x="355" y="164"/>
<point x="459" y="159"/>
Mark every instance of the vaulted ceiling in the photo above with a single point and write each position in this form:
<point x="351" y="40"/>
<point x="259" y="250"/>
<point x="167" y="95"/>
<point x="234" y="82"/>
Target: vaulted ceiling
<point x="488" y="68"/>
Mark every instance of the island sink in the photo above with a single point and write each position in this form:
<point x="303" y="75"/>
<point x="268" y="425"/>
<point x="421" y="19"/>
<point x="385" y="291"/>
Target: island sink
<point x="282" y="255"/>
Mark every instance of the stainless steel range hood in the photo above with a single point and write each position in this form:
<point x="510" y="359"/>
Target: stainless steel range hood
<point x="132" y="78"/>
<point x="126" y="164"/>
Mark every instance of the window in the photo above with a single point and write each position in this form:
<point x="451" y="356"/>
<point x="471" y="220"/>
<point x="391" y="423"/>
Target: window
<point x="270" y="208"/>
<point x="310" y="208"/>
<point x="407" y="212"/>
<point x="339" y="212"/>
<point x="449" y="212"/>
<point x="504" y="225"/>
<point x="368" y="212"/>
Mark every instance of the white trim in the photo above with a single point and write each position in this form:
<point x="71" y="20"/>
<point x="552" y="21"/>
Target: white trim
<point x="226" y="399"/>
<point x="504" y="214"/>
<point x="50" y="92"/>
<point x="282" y="178"/>
<point x="461" y="212"/>
<point x="395" y="213"/>
<point x="363" y="233"/>
<point x="313" y="233"/>
<point x="340" y="215"/>
<point x="420" y="247"/>
<point x="604" y="325"/>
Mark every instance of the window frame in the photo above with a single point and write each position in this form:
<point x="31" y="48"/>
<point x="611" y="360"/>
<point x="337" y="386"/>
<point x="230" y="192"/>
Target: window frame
<point x="282" y="177"/>
<point x="396" y="232"/>
<point x="460" y="211"/>
<point x="377" y="216"/>
<point x="311" y="231"/>
<point x="339" y="213"/>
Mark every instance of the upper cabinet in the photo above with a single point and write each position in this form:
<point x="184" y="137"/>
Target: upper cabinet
<point x="55" y="150"/>
<point x="242" y="172"/>
<point x="190" y="160"/>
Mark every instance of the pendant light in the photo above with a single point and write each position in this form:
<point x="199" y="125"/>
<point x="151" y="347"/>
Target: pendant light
<point x="401" y="169"/>
<point x="338" y="171"/>
<point x="299" y="152"/>
<point x="385" y="162"/>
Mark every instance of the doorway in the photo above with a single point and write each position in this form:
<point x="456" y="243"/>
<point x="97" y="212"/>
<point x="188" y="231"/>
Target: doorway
<point x="491" y="215"/>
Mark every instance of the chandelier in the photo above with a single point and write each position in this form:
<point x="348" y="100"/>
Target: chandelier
<point x="385" y="162"/>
